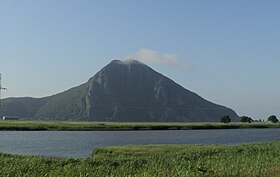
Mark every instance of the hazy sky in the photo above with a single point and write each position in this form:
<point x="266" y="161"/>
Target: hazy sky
<point x="226" y="51"/>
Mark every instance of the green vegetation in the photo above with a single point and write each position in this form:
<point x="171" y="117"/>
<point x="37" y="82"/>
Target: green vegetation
<point x="246" y="119"/>
<point x="100" y="126"/>
<point x="225" y="119"/>
<point x="272" y="118"/>
<point x="259" y="159"/>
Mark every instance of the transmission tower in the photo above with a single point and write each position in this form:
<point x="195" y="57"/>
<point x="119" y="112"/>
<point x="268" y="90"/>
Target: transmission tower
<point x="1" y="88"/>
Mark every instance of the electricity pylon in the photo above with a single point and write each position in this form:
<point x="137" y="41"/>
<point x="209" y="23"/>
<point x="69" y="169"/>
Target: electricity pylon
<point x="1" y="88"/>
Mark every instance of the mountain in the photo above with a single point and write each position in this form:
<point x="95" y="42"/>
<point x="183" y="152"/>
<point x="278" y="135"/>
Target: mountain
<point x="124" y="91"/>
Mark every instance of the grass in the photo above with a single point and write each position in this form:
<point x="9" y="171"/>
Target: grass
<point x="99" y="126"/>
<point x="258" y="159"/>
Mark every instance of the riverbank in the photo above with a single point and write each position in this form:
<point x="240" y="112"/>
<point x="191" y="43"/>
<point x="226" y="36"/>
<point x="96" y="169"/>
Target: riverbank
<point x="258" y="159"/>
<point x="123" y="126"/>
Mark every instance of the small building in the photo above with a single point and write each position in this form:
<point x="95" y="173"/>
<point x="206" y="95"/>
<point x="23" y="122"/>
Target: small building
<point x="10" y="118"/>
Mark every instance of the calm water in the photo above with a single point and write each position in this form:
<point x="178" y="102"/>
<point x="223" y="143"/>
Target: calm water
<point x="81" y="143"/>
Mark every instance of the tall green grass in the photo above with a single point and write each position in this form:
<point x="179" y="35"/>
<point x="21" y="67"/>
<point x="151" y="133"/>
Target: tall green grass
<point x="91" y="126"/>
<point x="259" y="159"/>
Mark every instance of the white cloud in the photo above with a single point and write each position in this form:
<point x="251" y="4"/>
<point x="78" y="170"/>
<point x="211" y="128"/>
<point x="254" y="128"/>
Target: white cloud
<point x="149" y="56"/>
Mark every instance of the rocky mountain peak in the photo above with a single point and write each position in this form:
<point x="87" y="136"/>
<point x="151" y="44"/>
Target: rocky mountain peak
<point x="127" y="62"/>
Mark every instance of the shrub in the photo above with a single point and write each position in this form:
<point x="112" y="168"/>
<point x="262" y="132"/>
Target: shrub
<point x="246" y="119"/>
<point x="272" y="118"/>
<point x="225" y="119"/>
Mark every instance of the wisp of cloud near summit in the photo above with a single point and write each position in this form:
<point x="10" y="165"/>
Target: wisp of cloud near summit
<point x="149" y="56"/>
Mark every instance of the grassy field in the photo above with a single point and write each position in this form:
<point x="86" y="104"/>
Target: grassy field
<point x="91" y="126"/>
<point x="259" y="159"/>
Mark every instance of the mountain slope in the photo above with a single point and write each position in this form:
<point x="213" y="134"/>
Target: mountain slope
<point x="22" y="106"/>
<point x="132" y="91"/>
<point x="126" y="91"/>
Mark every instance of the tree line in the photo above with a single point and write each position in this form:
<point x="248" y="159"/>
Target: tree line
<point x="227" y="119"/>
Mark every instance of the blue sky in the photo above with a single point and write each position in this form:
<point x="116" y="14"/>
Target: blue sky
<point x="226" y="51"/>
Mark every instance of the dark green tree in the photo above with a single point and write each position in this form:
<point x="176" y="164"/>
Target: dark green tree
<point x="225" y="119"/>
<point x="246" y="119"/>
<point x="272" y="118"/>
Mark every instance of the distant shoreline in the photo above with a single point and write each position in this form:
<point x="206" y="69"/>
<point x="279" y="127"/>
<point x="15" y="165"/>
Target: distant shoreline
<point x="125" y="126"/>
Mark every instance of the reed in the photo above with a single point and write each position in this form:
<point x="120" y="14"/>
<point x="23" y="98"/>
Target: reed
<point x="100" y="126"/>
<point x="258" y="159"/>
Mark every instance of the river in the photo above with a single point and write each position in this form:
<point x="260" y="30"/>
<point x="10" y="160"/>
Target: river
<point x="79" y="144"/>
